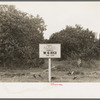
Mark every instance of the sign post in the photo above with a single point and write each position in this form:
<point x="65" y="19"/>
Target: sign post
<point x="49" y="64"/>
<point x="49" y="51"/>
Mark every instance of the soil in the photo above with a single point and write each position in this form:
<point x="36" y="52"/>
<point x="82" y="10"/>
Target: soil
<point x="63" y="74"/>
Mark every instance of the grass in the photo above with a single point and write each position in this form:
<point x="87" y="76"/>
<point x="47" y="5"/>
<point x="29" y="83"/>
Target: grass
<point x="66" y="71"/>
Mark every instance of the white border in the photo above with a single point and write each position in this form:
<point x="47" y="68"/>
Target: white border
<point x="45" y="90"/>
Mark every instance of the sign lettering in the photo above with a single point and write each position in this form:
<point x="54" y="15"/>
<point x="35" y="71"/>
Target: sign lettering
<point x="49" y="50"/>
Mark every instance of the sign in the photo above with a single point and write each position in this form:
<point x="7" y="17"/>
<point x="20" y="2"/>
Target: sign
<point x="49" y="50"/>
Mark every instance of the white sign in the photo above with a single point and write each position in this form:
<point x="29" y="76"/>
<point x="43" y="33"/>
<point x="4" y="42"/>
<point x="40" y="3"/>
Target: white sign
<point x="49" y="50"/>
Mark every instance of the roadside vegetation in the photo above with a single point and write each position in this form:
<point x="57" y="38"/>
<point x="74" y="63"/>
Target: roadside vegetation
<point x="20" y="35"/>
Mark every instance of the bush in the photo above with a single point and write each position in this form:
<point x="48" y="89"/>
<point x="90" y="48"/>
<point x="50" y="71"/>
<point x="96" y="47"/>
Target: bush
<point x="76" y="42"/>
<point x="20" y="35"/>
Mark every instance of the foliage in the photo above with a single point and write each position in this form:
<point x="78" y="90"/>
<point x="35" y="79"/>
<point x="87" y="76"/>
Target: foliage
<point x="20" y="34"/>
<point x="76" y="42"/>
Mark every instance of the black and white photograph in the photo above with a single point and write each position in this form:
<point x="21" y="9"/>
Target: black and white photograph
<point x="49" y="42"/>
<point x="57" y="42"/>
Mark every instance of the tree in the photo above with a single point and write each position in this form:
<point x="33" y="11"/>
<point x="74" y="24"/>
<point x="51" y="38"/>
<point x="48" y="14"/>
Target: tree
<point x="20" y="34"/>
<point x="75" y="41"/>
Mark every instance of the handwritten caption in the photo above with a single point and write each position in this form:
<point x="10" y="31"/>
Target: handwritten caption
<point x="56" y="84"/>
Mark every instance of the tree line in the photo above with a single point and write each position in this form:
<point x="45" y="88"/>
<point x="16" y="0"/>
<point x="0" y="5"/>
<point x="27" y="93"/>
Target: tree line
<point x="21" y="33"/>
<point x="77" y="42"/>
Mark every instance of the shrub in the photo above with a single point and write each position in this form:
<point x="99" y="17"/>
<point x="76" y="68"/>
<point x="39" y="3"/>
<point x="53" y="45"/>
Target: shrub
<point x="20" y="35"/>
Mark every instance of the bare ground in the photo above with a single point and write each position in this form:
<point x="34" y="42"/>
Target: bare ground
<point x="63" y="72"/>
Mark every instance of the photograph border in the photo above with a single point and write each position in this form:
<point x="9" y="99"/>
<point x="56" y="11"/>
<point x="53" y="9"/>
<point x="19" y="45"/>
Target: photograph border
<point x="42" y="98"/>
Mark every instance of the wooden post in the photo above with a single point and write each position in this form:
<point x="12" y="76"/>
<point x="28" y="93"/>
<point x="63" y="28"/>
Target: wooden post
<point x="49" y="69"/>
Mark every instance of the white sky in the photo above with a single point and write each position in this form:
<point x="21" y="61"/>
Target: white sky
<point x="59" y="14"/>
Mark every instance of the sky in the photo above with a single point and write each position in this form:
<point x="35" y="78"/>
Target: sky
<point x="57" y="15"/>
